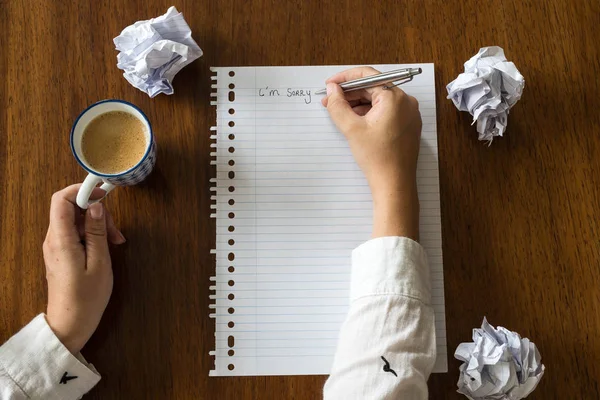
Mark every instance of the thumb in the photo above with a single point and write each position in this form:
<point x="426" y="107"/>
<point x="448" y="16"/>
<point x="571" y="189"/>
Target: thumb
<point x="339" y="109"/>
<point x="96" y="242"/>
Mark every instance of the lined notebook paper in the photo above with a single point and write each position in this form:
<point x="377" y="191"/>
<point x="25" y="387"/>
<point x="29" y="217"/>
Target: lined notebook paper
<point x="290" y="205"/>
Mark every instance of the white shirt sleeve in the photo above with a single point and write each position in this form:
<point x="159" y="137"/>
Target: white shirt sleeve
<point x="34" y="364"/>
<point x="386" y="347"/>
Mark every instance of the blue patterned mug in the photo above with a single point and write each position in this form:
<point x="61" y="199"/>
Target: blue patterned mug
<point x="131" y="176"/>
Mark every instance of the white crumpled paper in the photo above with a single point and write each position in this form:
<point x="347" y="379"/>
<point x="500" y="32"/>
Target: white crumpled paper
<point x="487" y="89"/>
<point x="498" y="365"/>
<point x="153" y="51"/>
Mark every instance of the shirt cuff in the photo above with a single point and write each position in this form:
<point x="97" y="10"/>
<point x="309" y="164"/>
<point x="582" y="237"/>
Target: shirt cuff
<point x="390" y="265"/>
<point x="42" y="367"/>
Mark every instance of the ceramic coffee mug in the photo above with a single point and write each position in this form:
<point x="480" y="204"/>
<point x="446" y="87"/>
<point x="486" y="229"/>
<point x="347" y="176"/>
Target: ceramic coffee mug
<point x="128" y="177"/>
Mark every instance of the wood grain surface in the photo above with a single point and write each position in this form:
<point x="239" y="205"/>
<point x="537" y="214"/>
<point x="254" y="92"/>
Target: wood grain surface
<point x="521" y="219"/>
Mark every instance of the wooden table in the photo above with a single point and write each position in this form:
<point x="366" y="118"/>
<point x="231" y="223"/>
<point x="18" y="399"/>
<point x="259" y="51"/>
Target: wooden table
<point x="520" y="218"/>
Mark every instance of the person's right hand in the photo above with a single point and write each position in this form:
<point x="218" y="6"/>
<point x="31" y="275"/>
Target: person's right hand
<point x="383" y="129"/>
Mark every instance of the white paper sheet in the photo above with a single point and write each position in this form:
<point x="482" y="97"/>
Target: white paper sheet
<point x="152" y="52"/>
<point x="300" y="206"/>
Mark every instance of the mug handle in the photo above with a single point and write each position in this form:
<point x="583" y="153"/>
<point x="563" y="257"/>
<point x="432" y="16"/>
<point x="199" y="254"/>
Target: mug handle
<point x="88" y="185"/>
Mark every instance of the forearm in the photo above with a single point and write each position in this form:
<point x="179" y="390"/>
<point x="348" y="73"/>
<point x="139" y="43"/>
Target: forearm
<point x="390" y="316"/>
<point x="34" y="364"/>
<point x="396" y="209"/>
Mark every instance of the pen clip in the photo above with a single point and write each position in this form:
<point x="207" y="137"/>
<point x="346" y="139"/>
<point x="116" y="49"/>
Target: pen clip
<point x="410" y="78"/>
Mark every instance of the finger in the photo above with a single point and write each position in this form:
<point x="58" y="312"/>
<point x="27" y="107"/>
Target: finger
<point x="362" y="95"/>
<point x="64" y="200"/>
<point x="80" y="222"/>
<point x="114" y="235"/>
<point x="354" y="103"/>
<point x="362" y="109"/>
<point x="352" y="73"/>
<point x="339" y="109"/>
<point x="324" y="101"/>
<point x="373" y="94"/>
<point x="63" y="213"/>
<point x="360" y="102"/>
<point x="96" y="243"/>
<point x="97" y="194"/>
<point x="357" y="73"/>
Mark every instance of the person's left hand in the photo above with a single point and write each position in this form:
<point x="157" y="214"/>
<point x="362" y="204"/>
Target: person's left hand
<point x="78" y="266"/>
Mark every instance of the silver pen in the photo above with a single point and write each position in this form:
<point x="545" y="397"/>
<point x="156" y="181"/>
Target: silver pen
<point x="403" y="75"/>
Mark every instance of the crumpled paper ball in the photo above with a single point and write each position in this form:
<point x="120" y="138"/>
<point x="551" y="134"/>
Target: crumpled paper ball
<point x="152" y="52"/>
<point x="498" y="365"/>
<point x="487" y="89"/>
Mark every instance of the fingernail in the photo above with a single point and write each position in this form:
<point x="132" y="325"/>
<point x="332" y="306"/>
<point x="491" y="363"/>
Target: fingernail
<point x="123" y="240"/>
<point x="330" y="88"/>
<point x="96" y="210"/>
